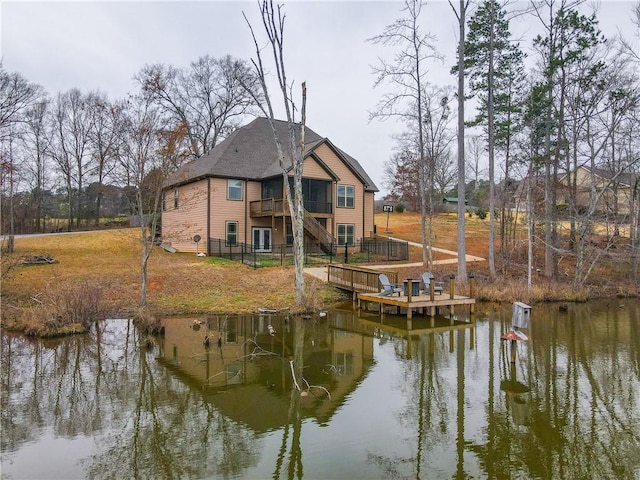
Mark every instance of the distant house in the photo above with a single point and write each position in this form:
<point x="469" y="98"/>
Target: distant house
<point x="615" y="191"/>
<point x="534" y="184"/>
<point x="235" y="194"/>
<point x="453" y="201"/>
<point x="450" y="204"/>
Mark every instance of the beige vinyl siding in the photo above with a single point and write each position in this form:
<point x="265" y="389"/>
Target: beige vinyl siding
<point x="223" y="210"/>
<point x="369" y="214"/>
<point x="254" y="192"/>
<point x="608" y="199"/>
<point x="180" y="225"/>
<point x="345" y="215"/>
<point x="313" y="169"/>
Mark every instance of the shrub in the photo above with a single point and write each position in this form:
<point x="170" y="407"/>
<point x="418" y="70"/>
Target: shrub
<point x="481" y="212"/>
<point x="79" y="303"/>
<point x="64" y="310"/>
<point x="148" y="321"/>
<point x="400" y="208"/>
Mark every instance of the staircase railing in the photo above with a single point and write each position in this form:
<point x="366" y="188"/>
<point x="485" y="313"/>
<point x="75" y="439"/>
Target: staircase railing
<point x="317" y="231"/>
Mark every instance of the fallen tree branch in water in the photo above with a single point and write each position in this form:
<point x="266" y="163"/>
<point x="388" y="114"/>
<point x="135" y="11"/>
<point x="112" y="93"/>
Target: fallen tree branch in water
<point x="258" y="351"/>
<point x="309" y="387"/>
<point x="305" y="392"/>
<point x="293" y="376"/>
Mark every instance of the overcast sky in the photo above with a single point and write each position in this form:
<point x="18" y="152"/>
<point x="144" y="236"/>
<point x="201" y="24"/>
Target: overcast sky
<point x="102" y="45"/>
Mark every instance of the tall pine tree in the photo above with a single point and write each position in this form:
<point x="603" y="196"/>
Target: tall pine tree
<point x="495" y="68"/>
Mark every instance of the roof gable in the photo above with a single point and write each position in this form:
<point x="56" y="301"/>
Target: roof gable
<point x="251" y="153"/>
<point x="623" y="178"/>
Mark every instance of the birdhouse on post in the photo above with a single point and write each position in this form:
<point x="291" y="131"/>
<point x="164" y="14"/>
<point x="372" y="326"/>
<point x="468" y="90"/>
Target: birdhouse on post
<point x="521" y="315"/>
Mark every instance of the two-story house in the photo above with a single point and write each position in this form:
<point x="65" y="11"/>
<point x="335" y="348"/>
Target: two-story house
<point x="236" y="194"/>
<point x="615" y="190"/>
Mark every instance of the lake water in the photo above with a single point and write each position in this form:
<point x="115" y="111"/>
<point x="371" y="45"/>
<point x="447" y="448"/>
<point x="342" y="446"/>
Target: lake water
<point x="443" y="400"/>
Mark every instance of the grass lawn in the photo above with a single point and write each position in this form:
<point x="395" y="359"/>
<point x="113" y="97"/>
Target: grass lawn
<point x="177" y="283"/>
<point x="610" y="276"/>
<point x="183" y="283"/>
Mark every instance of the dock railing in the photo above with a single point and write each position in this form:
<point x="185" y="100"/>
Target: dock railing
<point x="357" y="279"/>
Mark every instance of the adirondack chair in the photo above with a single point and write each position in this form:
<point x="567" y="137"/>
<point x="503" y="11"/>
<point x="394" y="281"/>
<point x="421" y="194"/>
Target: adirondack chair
<point x="427" y="278"/>
<point x="389" y="288"/>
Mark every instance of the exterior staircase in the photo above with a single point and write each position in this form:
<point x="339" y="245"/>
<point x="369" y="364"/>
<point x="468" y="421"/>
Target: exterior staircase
<point x="317" y="231"/>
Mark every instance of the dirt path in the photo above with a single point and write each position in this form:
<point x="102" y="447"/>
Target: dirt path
<point x="321" y="272"/>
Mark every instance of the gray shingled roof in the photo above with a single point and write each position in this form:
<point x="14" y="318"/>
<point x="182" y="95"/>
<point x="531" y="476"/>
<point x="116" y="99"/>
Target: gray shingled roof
<point x="250" y="153"/>
<point x="625" y="178"/>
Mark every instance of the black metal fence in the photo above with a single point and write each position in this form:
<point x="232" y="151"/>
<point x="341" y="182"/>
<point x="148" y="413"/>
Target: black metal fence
<point x="366" y="250"/>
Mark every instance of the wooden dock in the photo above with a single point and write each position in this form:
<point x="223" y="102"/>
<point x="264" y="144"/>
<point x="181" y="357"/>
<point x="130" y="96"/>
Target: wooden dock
<point x="365" y="285"/>
<point x="415" y="302"/>
<point x="357" y="279"/>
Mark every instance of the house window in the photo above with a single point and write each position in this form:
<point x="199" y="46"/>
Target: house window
<point x="176" y="196"/>
<point x="346" y="196"/>
<point x="234" y="189"/>
<point x="346" y="233"/>
<point x="164" y="201"/>
<point x="232" y="233"/>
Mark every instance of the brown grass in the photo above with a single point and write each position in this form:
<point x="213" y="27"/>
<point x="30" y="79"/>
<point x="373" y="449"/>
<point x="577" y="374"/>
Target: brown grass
<point x="186" y="284"/>
<point x="59" y="310"/>
<point x="178" y="283"/>
<point x="611" y="276"/>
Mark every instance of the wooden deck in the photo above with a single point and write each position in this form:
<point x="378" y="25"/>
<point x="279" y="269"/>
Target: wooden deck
<point x="364" y="283"/>
<point x="357" y="279"/>
<point x="414" y="302"/>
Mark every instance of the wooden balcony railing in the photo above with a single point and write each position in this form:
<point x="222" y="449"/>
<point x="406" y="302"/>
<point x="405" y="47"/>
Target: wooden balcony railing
<point x="267" y="207"/>
<point x="271" y="206"/>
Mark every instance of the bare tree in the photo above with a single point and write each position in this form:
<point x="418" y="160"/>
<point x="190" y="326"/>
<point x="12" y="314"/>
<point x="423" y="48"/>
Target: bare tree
<point x="627" y="47"/>
<point x="438" y="138"/>
<point x="16" y="94"/>
<point x="475" y="149"/>
<point x="207" y="98"/>
<point x="73" y="123"/>
<point x="407" y="73"/>
<point x="105" y="137"/>
<point x="273" y="20"/>
<point x="36" y="141"/>
<point x="148" y="159"/>
<point x="461" y="15"/>
<point x="61" y="152"/>
<point x="9" y="176"/>
<point x="445" y="175"/>
<point x="611" y="114"/>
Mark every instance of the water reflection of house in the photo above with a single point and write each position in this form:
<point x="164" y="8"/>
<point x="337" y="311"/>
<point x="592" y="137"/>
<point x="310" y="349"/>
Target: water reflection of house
<point x="245" y="370"/>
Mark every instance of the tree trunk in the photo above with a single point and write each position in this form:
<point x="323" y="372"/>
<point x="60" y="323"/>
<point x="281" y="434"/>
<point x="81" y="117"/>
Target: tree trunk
<point x="462" y="261"/>
<point x="144" y="258"/>
<point x="491" y="140"/>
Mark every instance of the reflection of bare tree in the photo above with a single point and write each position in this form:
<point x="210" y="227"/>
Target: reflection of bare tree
<point x="171" y="432"/>
<point x="107" y="386"/>
<point x="428" y="408"/>
<point x="294" y="423"/>
<point x="149" y="419"/>
<point x="583" y="403"/>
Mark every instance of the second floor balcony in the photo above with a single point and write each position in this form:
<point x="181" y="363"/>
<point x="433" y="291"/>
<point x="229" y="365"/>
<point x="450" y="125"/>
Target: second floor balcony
<point x="279" y="207"/>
